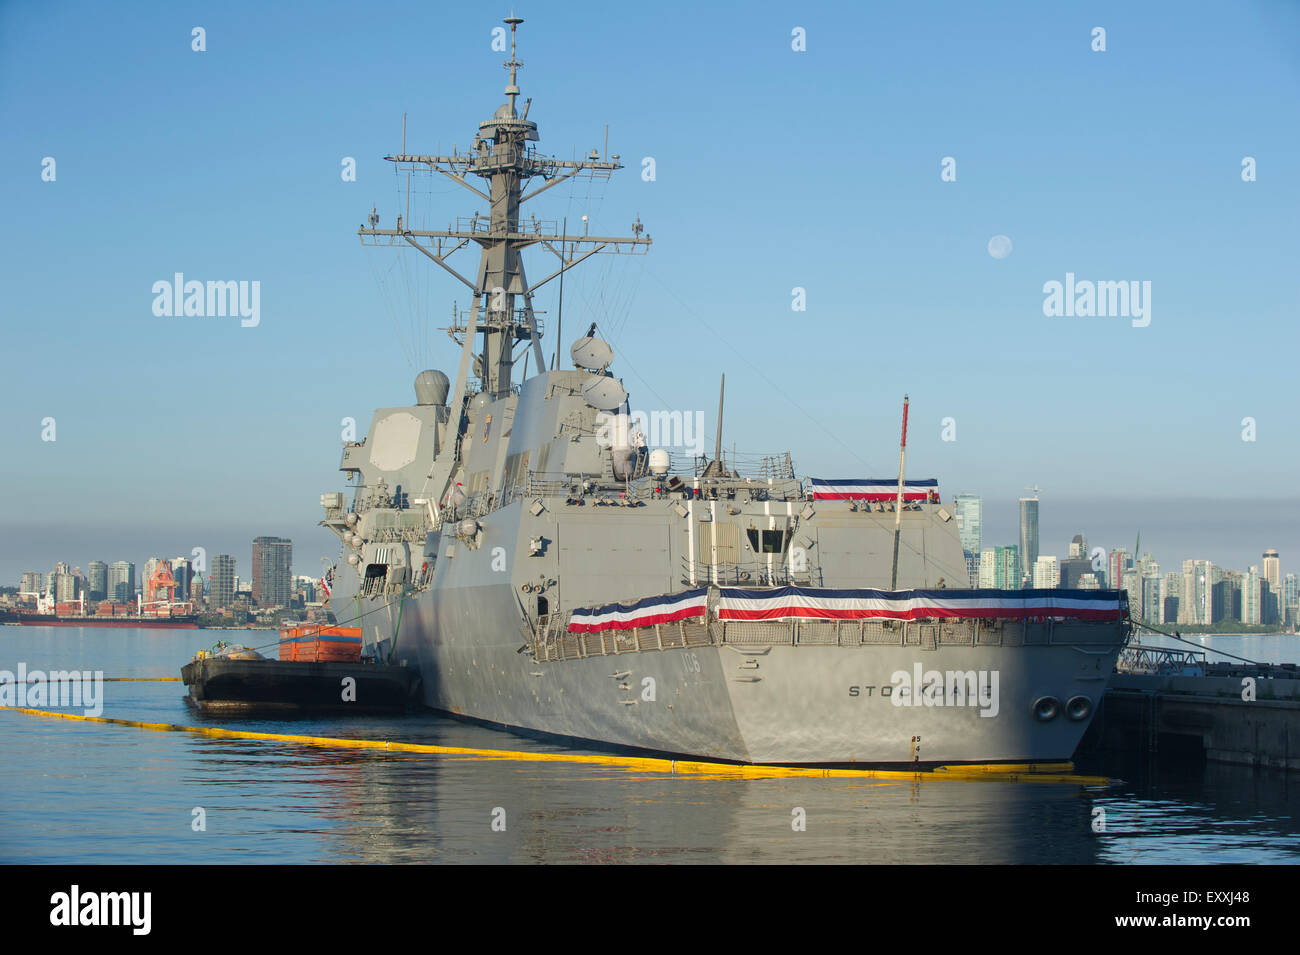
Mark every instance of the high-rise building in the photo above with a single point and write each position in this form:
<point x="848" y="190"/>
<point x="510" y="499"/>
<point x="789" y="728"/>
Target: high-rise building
<point x="1028" y="533"/>
<point x="272" y="584"/>
<point x="221" y="581"/>
<point x="970" y="530"/>
<point x="988" y="567"/>
<point x="1047" y="572"/>
<point x="66" y="588"/>
<point x="121" y="581"/>
<point x="1089" y="582"/>
<point x="1073" y="569"/>
<point x="1116" y="564"/>
<point x="32" y="582"/>
<point x="1227" y="595"/>
<point x="1195" y="604"/>
<point x="970" y="522"/>
<point x="1268" y="602"/>
<point x="97" y="580"/>
<point x="1131" y="584"/>
<point x="1272" y="573"/>
<point x="1290" y="600"/>
<point x="1206" y="578"/>
<point x="183" y="573"/>
<point x="1272" y="568"/>
<point x="1153" y="605"/>
<point x="1006" y="568"/>
<point x="1251" y="606"/>
<point x="1078" y="547"/>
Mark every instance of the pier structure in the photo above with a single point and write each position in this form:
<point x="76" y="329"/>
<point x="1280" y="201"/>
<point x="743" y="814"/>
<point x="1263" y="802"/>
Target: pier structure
<point x="1174" y="703"/>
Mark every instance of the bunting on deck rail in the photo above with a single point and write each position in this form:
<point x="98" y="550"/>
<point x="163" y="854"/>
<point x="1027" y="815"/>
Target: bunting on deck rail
<point x="784" y="603"/>
<point x="873" y="489"/>
<point x="643" y="613"/>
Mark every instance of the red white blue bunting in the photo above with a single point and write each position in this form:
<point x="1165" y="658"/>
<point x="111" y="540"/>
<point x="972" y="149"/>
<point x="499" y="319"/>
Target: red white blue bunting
<point x="785" y="603"/>
<point x="873" y="489"/>
<point x="642" y="613"/>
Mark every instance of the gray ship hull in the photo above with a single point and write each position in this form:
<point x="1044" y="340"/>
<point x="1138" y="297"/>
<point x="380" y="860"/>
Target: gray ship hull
<point x="757" y="700"/>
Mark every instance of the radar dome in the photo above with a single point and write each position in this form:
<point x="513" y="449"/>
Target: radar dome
<point x="659" y="462"/>
<point x="591" y="354"/>
<point x="604" y="394"/>
<point x="431" y="388"/>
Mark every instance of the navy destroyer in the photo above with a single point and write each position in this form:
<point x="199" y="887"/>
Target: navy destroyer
<point x="516" y="539"/>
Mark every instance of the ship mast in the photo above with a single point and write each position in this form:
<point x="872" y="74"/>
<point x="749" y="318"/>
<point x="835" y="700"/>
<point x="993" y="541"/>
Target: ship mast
<point x="502" y="310"/>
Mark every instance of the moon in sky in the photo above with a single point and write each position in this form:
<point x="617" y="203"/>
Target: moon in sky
<point x="1000" y="246"/>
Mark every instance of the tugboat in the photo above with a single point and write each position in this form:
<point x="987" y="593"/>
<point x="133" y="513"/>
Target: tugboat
<point x="320" y="671"/>
<point x="514" y="539"/>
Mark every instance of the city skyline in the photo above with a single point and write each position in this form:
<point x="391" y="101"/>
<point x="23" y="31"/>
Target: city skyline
<point x="974" y="503"/>
<point x="270" y="581"/>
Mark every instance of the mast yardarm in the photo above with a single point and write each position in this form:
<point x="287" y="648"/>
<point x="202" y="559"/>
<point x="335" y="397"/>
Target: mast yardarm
<point x="502" y="318"/>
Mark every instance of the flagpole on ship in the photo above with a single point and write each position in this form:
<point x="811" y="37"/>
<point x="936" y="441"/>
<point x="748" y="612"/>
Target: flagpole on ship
<point x="898" y="505"/>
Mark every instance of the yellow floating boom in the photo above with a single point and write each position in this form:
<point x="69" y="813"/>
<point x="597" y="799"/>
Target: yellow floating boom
<point x="1014" y="772"/>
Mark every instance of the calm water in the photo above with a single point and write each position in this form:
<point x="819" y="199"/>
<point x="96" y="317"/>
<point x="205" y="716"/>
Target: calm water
<point x="88" y="793"/>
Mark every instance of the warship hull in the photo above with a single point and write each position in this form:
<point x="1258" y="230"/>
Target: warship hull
<point x="486" y="525"/>
<point x="767" y="693"/>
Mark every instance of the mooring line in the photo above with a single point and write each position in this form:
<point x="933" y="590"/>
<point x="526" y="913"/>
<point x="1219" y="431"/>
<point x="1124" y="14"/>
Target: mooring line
<point x="1018" y="772"/>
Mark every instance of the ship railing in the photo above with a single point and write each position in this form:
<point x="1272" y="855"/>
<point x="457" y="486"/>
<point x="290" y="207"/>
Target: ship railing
<point x="551" y="640"/>
<point x="399" y="535"/>
<point x="773" y="466"/>
<point x="1139" y="659"/>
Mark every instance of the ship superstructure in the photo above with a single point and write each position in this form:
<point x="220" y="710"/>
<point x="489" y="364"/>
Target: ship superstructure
<point x="515" y="539"/>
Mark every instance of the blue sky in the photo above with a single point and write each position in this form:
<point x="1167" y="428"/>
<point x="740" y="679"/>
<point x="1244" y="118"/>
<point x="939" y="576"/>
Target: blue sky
<point x="775" y="169"/>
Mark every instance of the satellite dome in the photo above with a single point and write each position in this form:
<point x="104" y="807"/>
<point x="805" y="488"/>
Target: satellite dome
<point x="431" y="388"/>
<point x="591" y="354"/>
<point x="604" y="394"/>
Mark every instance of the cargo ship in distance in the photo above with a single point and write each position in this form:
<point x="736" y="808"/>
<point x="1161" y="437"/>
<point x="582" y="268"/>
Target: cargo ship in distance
<point x="153" y="610"/>
<point x="512" y="536"/>
<point x="105" y="615"/>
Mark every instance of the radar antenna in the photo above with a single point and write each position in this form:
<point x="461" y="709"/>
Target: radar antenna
<point x="501" y="315"/>
<point x="502" y="310"/>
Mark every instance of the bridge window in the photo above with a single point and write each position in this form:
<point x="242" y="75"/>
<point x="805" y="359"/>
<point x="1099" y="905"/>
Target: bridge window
<point x="766" y="542"/>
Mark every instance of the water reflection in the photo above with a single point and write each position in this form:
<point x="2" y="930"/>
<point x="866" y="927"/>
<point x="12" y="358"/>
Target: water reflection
<point x="91" y="793"/>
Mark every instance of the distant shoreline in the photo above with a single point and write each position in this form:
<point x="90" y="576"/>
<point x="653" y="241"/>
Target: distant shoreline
<point x="1204" y="631"/>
